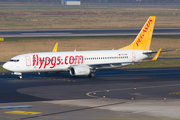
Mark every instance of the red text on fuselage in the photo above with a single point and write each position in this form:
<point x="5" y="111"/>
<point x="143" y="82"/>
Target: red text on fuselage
<point x="53" y="61"/>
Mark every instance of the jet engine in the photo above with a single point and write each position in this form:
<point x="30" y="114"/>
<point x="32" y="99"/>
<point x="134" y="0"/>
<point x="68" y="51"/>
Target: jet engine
<point x="79" y="70"/>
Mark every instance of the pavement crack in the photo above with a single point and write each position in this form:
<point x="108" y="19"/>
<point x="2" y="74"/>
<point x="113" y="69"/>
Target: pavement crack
<point x="74" y="110"/>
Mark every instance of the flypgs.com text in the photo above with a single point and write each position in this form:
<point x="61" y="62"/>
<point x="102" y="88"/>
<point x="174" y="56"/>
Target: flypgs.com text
<point x="56" y="60"/>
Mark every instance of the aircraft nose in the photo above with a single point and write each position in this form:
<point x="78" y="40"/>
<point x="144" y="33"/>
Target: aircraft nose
<point x="6" y="66"/>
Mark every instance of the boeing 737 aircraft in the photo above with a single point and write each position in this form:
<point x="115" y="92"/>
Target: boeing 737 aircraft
<point x="86" y="62"/>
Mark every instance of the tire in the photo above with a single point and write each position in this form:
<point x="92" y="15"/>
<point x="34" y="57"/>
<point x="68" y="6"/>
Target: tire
<point x="20" y="77"/>
<point x="91" y="75"/>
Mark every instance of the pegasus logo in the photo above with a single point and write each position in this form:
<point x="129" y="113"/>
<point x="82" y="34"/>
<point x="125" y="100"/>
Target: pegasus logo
<point x="143" y="32"/>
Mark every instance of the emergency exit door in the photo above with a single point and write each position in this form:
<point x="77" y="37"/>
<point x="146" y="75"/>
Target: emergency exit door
<point x="133" y="57"/>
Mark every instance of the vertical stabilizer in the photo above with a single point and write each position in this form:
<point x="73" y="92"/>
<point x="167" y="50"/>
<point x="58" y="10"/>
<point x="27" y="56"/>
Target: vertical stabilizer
<point x="143" y="39"/>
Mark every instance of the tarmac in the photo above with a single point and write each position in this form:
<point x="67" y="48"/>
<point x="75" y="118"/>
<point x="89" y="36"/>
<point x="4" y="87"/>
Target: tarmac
<point x="146" y="93"/>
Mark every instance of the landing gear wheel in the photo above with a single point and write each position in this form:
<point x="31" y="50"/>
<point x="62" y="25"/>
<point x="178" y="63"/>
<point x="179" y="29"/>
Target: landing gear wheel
<point x="20" y="77"/>
<point x="91" y="75"/>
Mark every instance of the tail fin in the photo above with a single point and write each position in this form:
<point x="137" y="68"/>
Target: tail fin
<point x="143" y="39"/>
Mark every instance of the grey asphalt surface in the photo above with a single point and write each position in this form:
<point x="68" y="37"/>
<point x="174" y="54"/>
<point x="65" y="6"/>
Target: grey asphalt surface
<point x="84" y="32"/>
<point x="150" y="83"/>
<point x="24" y="90"/>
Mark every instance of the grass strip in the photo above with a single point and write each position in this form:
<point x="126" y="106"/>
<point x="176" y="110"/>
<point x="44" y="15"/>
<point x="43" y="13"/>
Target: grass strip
<point x="2" y="69"/>
<point x="40" y="18"/>
<point x="86" y="37"/>
<point x="157" y="63"/>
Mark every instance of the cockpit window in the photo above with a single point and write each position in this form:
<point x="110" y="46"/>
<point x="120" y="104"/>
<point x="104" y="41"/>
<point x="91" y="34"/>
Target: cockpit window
<point x="14" y="60"/>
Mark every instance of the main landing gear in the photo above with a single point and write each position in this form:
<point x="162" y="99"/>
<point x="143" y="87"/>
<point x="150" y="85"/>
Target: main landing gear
<point x="91" y="74"/>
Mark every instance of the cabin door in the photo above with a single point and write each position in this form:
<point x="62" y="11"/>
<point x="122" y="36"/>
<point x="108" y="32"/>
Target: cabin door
<point x="133" y="57"/>
<point x="28" y="61"/>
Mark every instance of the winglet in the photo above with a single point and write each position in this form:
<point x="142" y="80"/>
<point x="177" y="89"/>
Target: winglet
<point x="55" y="48"/>
<point x="157" y="55"/>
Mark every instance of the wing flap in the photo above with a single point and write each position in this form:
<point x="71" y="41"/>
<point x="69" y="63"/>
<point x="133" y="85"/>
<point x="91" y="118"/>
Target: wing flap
<point x="109" y="65"/>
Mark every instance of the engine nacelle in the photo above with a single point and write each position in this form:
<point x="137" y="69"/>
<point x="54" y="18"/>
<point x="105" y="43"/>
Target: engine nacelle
<point x="79" y="70"/>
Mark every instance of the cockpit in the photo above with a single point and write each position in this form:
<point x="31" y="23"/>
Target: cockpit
<point x="14" y="60"/>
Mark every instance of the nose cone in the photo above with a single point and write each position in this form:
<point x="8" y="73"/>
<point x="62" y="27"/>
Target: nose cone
<point x="6" y="66"/>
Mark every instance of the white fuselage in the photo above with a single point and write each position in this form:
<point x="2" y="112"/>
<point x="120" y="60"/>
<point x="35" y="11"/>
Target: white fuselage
<point x="62" y="61"/>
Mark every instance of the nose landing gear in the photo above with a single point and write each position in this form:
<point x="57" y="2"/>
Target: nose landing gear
<point x="20" y="77"/>
<point x="17" y="73"/>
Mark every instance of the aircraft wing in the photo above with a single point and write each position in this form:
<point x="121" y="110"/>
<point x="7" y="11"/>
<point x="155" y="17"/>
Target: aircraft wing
<point x="108" y="65"/>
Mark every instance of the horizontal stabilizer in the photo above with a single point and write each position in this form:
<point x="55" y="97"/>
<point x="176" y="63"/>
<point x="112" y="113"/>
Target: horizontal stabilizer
<point x="161" y="51"/>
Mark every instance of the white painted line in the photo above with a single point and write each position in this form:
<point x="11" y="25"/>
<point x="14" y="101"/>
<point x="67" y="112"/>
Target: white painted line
<point x="20" y="106"/>
<point x="88" y="93"/>
<point x="45" y="33"/>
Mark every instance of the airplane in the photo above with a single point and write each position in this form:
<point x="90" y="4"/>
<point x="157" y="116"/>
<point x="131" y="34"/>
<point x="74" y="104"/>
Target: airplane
<point x="85" y="63"/>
